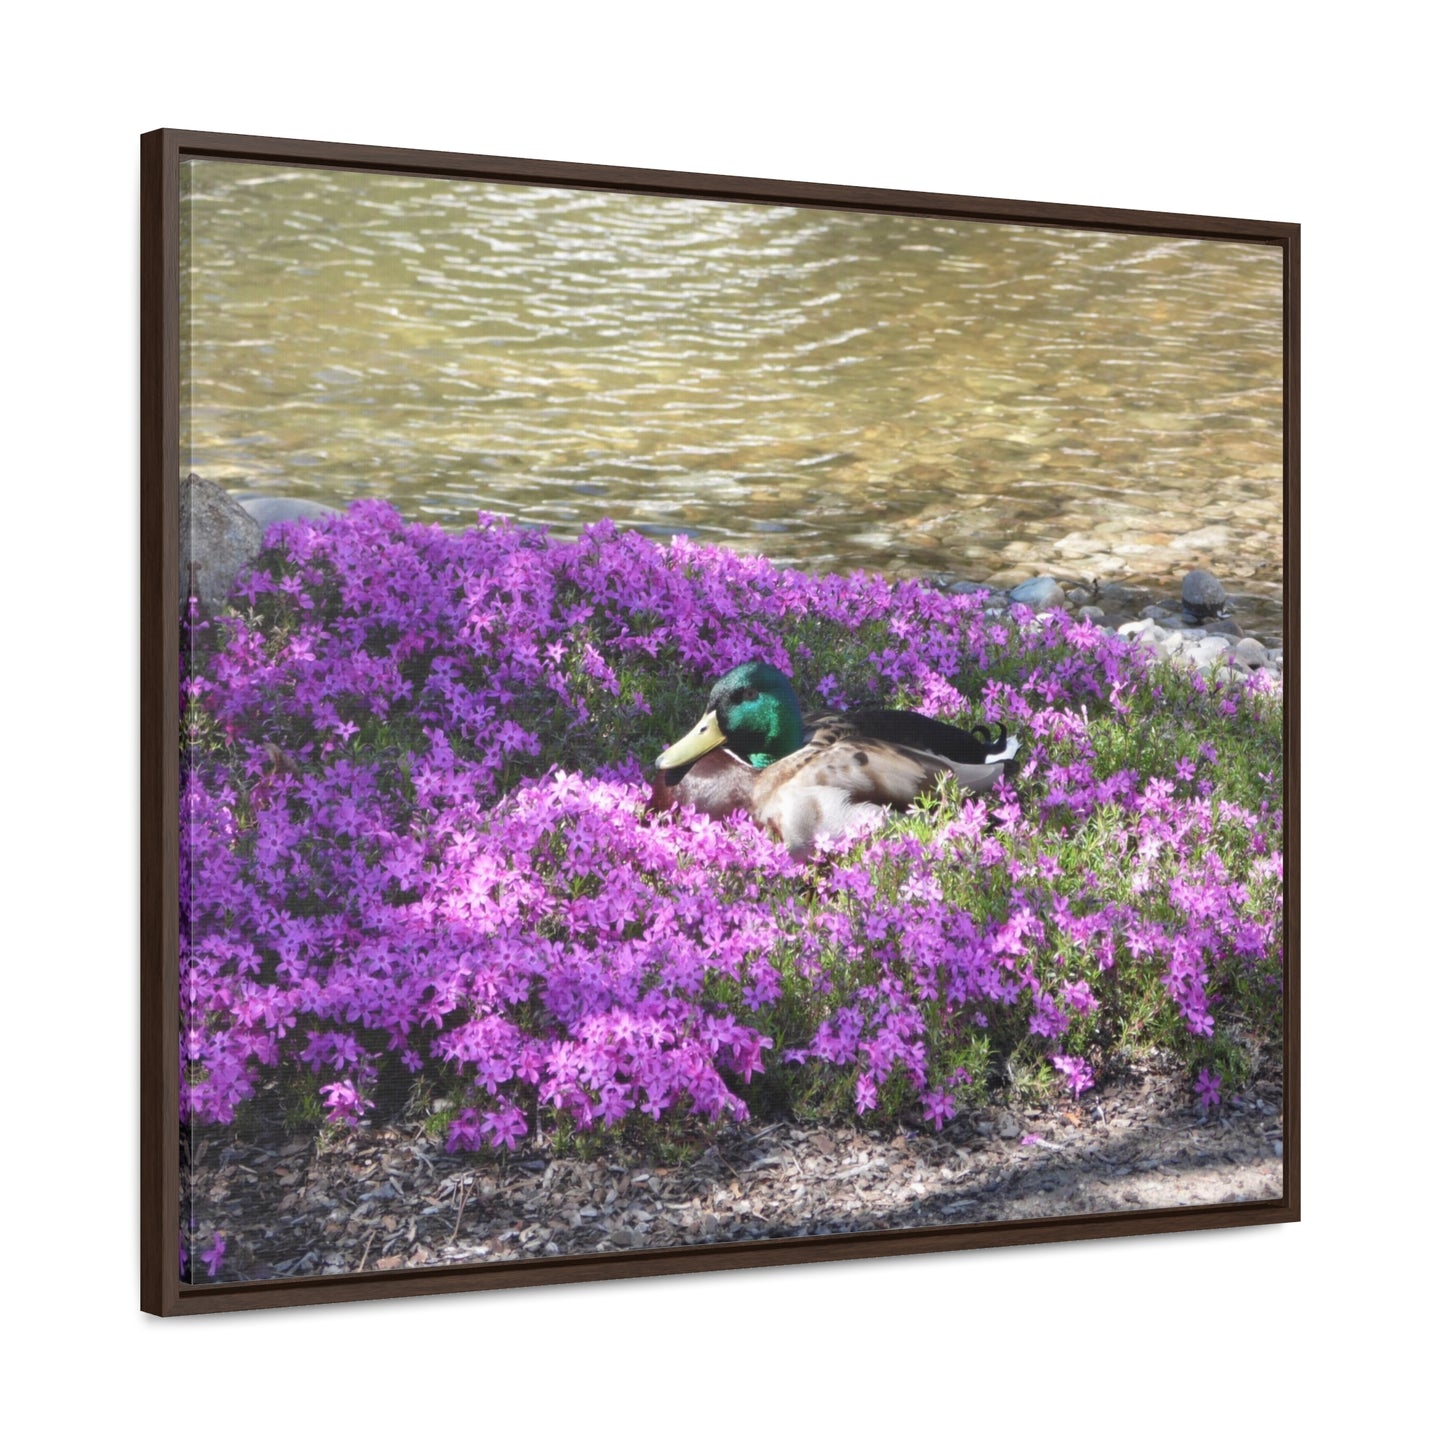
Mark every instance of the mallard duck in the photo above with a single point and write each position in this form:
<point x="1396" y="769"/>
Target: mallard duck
<point x="802" y="779"/>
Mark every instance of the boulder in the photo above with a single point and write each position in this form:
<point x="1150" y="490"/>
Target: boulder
<point x="1203" y="593"/>
<point x="218" y="539"/>
<point x="1206" y="651"/>
<point x="1248" y="652"/>
<point x="1040" y="593"/>
<point x="1223" y="627"/>
<point x="1117" y="595"/>
<point x="267" y="510"/>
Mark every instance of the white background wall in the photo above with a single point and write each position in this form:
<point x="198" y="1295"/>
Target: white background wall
<point x="1228" y="109"/>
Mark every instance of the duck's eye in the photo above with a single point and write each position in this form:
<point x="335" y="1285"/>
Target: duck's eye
<point x="748" y="694"/>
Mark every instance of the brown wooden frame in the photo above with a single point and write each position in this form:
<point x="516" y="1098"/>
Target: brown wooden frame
<point x="161" y="1290"/>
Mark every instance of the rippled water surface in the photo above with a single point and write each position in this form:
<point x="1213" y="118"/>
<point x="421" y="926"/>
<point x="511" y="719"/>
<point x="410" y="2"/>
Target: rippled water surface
<point x="835" y="389"/>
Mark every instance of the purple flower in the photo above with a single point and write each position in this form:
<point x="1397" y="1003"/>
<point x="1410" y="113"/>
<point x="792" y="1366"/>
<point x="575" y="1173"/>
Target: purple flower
<point x="387" y="850"/>
<point x="213" y="1256"/>
<point x="506" y="1127"/>
<point x="1207" y="1087"/>
<point x="938" y="1108"/>
<point x="1078" y="1076"/>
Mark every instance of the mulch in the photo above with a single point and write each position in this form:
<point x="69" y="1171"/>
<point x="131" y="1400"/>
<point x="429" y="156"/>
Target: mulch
<point x="390" y="1197"/>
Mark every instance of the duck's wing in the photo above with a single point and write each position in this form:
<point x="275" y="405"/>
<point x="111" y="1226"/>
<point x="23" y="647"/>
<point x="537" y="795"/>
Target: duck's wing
<point x="830" y="788"/>
<point x="866" y="769"/>
<point x="819" y="792"/>
<point x="911" y="730"/>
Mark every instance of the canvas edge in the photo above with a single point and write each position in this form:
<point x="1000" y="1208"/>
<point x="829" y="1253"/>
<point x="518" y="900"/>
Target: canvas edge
<point x="159" y="721"/>
<point x="1292" y="501"/>
<point x="206" y="144"/>
<point x="161" y="1290"/>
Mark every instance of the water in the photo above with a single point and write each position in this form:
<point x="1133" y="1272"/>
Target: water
<point x="836" y="389"/>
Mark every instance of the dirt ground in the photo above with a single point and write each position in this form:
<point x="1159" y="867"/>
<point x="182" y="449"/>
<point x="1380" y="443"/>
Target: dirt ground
<point x="392" y="1198"/>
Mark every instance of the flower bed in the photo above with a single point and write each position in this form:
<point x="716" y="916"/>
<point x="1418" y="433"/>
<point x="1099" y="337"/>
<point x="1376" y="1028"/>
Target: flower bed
<point x="413" y="845"/>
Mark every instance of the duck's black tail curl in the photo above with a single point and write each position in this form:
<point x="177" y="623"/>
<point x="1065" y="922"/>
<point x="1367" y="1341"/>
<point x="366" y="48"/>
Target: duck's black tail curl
<point x="999" y="744"/>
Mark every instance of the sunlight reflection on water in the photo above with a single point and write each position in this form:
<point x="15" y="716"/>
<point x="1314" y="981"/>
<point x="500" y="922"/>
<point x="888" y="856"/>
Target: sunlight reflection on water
<point x="838" y="389"/>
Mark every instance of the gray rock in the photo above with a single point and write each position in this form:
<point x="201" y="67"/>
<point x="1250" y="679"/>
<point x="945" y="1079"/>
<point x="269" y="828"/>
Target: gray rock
<point x="1094" y="614"/>
<point x="1040" y="593"/>
<point x="966" y="589"/>
<point x="1155" y="611"/>
<point x="1223" y="627"/>
<point x="1207" y="650"/>
<point x="1203" y="593"/>
<point x="218" y="539"/>
<point x="1119" y="595"/>
<point x="1079" y="595"/>
<point x="1143" y="627"/>
<point x="267" y="510"/>
<point x="1249" y="652"/>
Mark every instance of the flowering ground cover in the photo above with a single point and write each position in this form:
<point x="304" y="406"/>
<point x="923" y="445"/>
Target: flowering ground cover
<point x="415" y="863"/>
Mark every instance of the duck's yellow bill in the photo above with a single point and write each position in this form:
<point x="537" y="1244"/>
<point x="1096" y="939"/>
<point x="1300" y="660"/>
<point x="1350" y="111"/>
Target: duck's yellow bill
<point x="706" y="736"/>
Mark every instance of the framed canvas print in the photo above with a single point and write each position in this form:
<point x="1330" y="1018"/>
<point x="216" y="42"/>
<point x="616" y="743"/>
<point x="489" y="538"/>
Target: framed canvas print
<point x="693" y="722"/>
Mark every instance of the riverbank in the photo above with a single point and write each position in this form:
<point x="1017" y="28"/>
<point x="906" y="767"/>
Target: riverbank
<point x="222" y="535"/>
<point x="1196" y="625"/>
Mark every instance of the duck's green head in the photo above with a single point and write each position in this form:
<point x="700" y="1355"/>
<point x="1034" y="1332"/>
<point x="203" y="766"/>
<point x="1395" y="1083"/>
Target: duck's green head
<point x="753" y="710"/>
